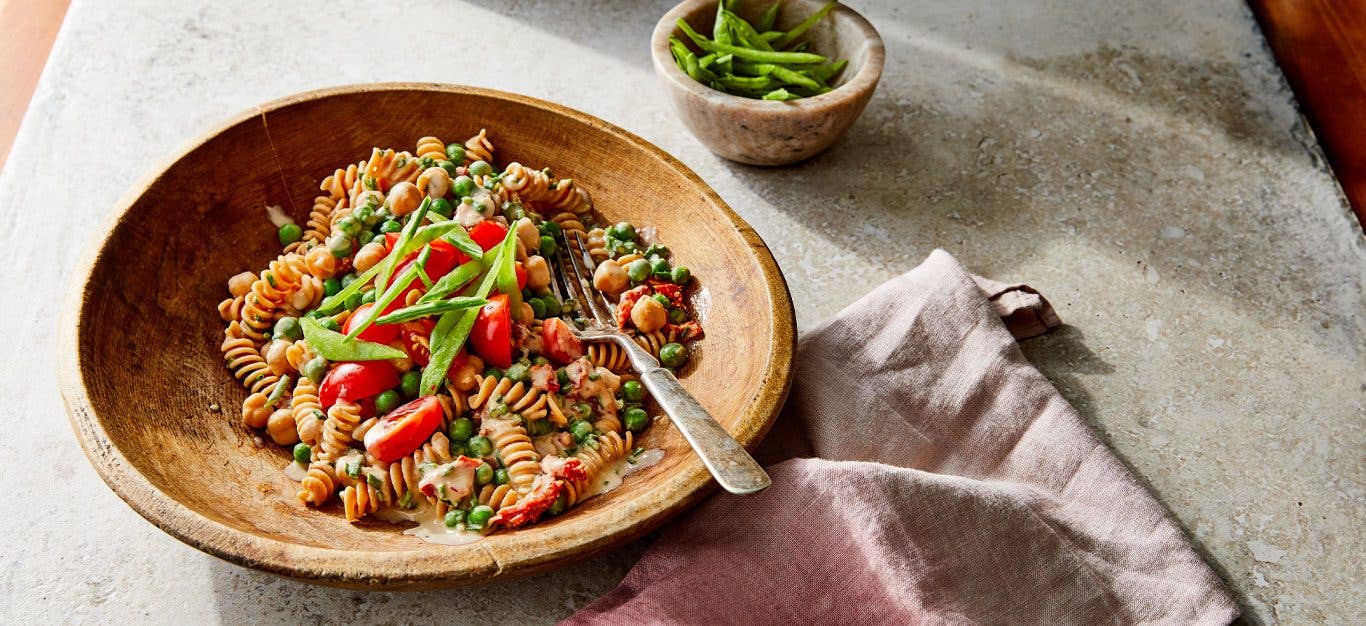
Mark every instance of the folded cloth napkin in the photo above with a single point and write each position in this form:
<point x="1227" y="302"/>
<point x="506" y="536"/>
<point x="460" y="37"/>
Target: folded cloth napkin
<point x="950" y="483"/>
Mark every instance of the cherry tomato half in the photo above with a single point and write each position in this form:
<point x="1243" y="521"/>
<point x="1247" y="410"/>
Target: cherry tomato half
<point x="521" y="276"/>
<point x="378" y="333"/>
<point x="416" y="337"/>
<point x="491" y="337"/>
<point x="561" y="346"/>
<point x="353" y="381"/>
<point x="488" y="234"/>
<point x="404" y="429"/>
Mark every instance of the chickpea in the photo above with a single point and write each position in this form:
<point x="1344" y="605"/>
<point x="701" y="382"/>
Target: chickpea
<point x="401" y="364"/>
<point x="527" y="234"/>
<point x="280" y="427"/>
<point x="438" y="182"/>
<point x="610" y="278"/>
<point x="525" y="314"/>
<point x="277" y="356"/>
<point x="240" y="285"/>
<point x="648" y="315"/>
<point x="521" y="251"/>
<point x="464" y="379"/>
<point x="537" y="272"/>
<point x="369" y="254"/>
<point x="404" y="198"/>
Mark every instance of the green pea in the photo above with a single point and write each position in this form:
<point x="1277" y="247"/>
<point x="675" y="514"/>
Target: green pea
<point x="513" y="211"/>
<point x="354" y="301"/>
<point x="443" y="207"/>
<point x="483" y="474"/>
<point x="365" y="215"/>
<point x="315" y="368"/>
<point x="289" y="328"/>
<point x="657" y="250"/>
<point x="551" y="229"/>
<point x="660" y="268"/>
<point x="411" y="383"/>
<point x="548" y="246"/>
<point x="462" y="428"/>
<point x="480" y="515"/>
<point x="349" y="226"/>
<point x="454" y="517"/>
<point x="463" y="186"/>
<point x="330" y="324"/>
<point x="480" y="168"/>
<point x="500" y="476"/>
<point x="518" y="373"/>
<point x="458" y="449"/>
<point x="581" y="429"/>
<point x="638" y="270"/>
<point x="561" y="503"/>
<point x="365" y="235"/>
<point x="680" y="275"/>
<point x="568" y="306"/>
<point x="562" y="377"/>
<point x="347" y="280"/>
<point x="387" y="401"/>
<point x="632" y="391"/>
<point x="340" y="247"/>
<point x="379" y="239"/>
<point x="455" y="152"/>
<point x="367" y="296"/>
<point x="480" y="446"/>
<point x="290" y="233"/>
<point x="629" y="247"/>
<point x="331" y="286"/>
<point x="662" y="300"/>
<point x="390" y="226"/>
<point x="678" y="316"/>
<point x="493" y="372"/>
<point x="302" y="453"/>
<point x="636" y="419"/>
<point x="623" y="231"/>
<point x="673" y="355"/>
<point x="537" y="307"/>
<point x="450" y="167"/>
<point x="540" y="360"/>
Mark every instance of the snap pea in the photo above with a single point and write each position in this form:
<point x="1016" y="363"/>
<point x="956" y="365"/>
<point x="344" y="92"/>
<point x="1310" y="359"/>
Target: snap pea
<point x="806" y="25"/>
<point x="428" y="309"/>
<point x="770" y="16"/>
<point x="335" y="347"/>
<point x="751" y="59"/>
<point x="758" y="56"/>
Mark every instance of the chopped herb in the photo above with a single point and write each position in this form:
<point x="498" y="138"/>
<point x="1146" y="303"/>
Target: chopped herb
<point x="406" y="502"/>
<point x="634" y="456"/>
<point x="353" y="470"/>
<point x="374" y="481"/>
<point x="369" y="182"/>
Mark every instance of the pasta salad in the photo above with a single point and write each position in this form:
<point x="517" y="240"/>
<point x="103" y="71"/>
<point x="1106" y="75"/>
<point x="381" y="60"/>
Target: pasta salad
<point x="408" y="346"/>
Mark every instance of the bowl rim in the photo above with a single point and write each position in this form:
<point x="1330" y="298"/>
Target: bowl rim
<point x="432" y="568"/>
<point x="863" y="81"/>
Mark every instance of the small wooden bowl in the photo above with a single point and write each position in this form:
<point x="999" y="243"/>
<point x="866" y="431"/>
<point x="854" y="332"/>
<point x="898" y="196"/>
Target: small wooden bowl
<point x="141" y="365"/>
<point x="761" y="132"/>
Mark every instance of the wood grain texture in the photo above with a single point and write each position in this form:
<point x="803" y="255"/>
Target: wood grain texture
<point x="759" y="132"/>
<point x="141" y="365"/>
<point x="27" y="29"/>
<point x="1321" y="47"/>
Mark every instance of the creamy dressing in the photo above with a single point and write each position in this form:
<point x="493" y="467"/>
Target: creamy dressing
<point x="430" y="525"/>
<point x="277" y="216"/>
<point x="612" y="475"/>
<point x="296" y="472"/>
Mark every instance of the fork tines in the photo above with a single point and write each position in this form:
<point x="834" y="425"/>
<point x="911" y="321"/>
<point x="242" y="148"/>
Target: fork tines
<point x="575" y="277"/>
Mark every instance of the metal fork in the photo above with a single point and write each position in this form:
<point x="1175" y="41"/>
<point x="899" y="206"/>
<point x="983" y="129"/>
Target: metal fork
<point x="733" y="468"/>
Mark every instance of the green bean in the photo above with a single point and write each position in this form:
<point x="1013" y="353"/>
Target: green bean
<point x="770" y="16"/>
<point x="427" y="309"/>
<point x="758" y="56"/>
<point x="745" y="32"/>
<point x="792" y="78"/>
<point x="806" y="25"/>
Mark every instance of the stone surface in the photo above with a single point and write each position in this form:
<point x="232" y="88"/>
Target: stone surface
<point x="1142" y="165"/>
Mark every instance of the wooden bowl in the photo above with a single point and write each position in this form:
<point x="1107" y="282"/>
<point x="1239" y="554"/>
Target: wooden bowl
<point x="141" y="365"/>
<point x="761" y="132"/>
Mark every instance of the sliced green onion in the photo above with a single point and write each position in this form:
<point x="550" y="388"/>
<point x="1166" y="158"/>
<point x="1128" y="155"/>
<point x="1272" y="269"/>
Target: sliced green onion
<point x="806" y="25"/>
<point x="428" y="309"/>
<point x="334" y="346"/>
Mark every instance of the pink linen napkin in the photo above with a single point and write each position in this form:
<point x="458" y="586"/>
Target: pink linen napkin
<point x="951" y="484"/>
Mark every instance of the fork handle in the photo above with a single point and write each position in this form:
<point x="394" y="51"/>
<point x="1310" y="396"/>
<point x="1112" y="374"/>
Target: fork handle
<point x="733" y="468"/>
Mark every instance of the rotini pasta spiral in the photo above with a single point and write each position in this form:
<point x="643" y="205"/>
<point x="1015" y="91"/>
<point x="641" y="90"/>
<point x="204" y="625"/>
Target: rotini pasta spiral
<point x="387" y="168"/>
<point x="402" y="476"/>
<point x="342" y="419"/>
<point x="607" y="354"/>
<point x="231" y="309"/>
<point x="245" y="360"/>
<point x="319" y="224"/>
<point x="654" y="340"/>
<point x="479" y="148"/>
<point x="318" y="484"/>
<point x="518" y="398"/>
<point x="434" y="182"/>
<point x="526" y="184"/>
<point x="612" y="448"/>
<point x="498" y="496"/>
<point x="343" y="183"/>
<point x="597" y="245"/>
<point x="431" y="148"/>
<point x="515" y="450"/>
<point x="308" y="412"/>
<point x="361" y="499"/>
<point x="568" y="222"/>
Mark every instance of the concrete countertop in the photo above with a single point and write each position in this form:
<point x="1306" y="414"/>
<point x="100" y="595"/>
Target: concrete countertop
<point x="1141" y="164"/>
